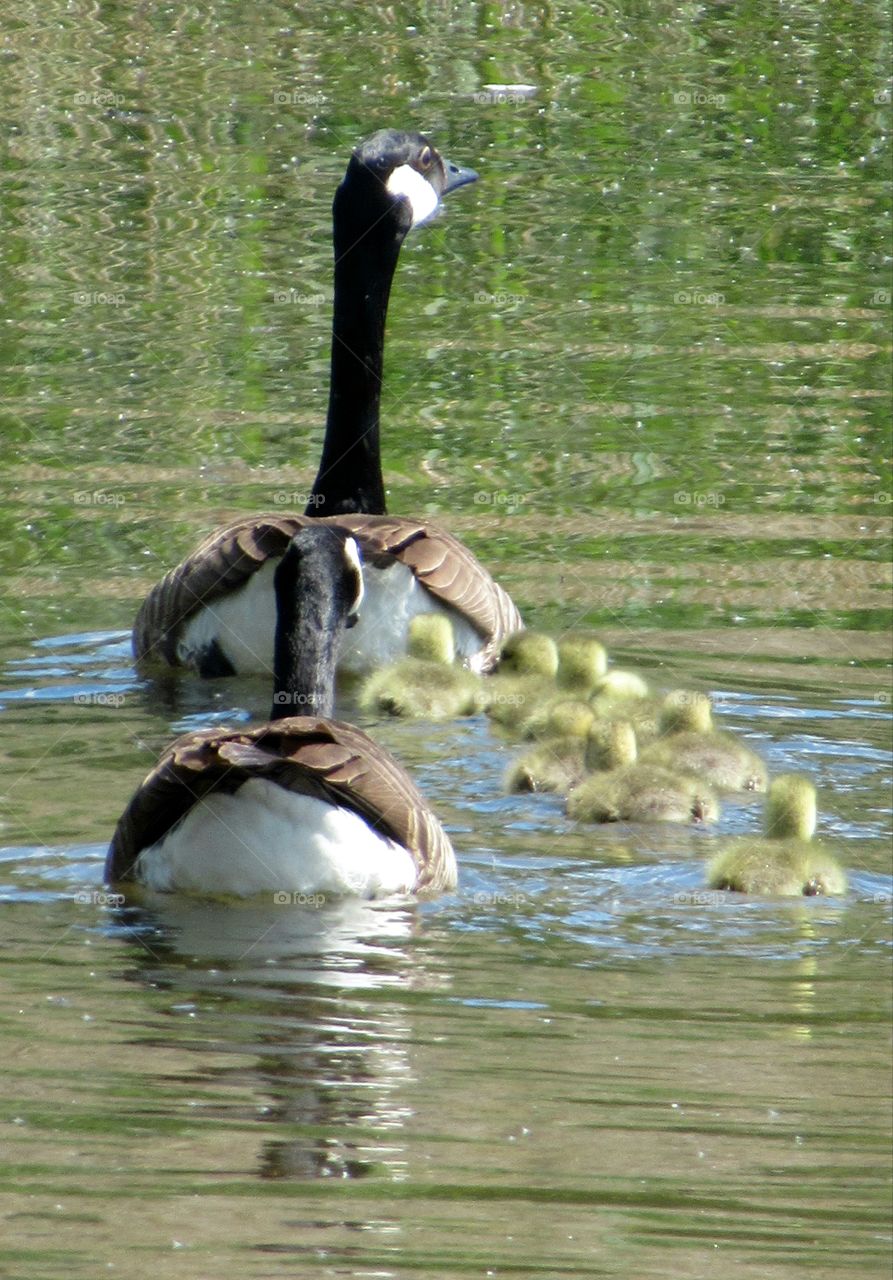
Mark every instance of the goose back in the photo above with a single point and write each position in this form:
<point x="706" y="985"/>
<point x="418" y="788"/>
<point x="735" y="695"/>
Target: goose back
<point x="228" y="558"/>
<point x="327" y="759"/>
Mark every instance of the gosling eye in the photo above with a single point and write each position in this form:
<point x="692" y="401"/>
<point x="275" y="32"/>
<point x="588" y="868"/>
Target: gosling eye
<point x="426" y="159"/>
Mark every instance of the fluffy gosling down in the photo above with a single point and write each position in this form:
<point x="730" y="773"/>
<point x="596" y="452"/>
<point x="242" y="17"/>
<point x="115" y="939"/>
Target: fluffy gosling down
<point x="557" y="763"/>
<point x="524" y="677"/>
<point x="582" y="662"/>
<point x="621" y="790"/>
<point x="785" y="861"/>
<point x="687" y="741"/>
<point x="425" y="684"/>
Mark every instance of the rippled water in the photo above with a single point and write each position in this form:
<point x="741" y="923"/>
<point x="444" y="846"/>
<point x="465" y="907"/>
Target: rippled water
<point x="643" y="367"/>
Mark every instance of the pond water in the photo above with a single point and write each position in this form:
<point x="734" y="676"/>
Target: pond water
<point x="643" y="367"/>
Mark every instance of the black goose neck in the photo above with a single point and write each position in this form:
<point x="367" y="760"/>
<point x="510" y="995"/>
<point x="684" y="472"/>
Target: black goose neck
<point x="366" y="253"/>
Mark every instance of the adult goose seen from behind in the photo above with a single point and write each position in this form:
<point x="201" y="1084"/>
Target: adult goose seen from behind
<point x="215" y="612"/>
<point x="303" y="804"/>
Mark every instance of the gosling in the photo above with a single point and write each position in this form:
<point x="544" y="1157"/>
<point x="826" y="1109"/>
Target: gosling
<point x="558" y="762"/>
<point x="688" y="742"/>
<point x="621" y="790"/>
<point x="425" y="684"/>
<point x="785" y="861"/>
<point x="524" y="676"/>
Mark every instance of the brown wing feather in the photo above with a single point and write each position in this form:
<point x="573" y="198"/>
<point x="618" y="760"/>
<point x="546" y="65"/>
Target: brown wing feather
<point x="227" y="558"/>
<point x="326" y="758"/>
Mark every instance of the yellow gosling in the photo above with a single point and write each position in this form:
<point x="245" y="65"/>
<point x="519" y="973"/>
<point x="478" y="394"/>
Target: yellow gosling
<point x="784" y="861"/>
<point x="619" y="684"/>
<point x="528" y="653"/>
<point x="623" y="695"/>
<point x="559" y="717"/>
<point x="582" y="662"/>
<point x="425" y="684"/>
<point x="524" y="677"/>
<point x="687" y="741"/>
<point x="555" y="765"/>
<point x="621" y="790"/>
<point x="432" y="639"/>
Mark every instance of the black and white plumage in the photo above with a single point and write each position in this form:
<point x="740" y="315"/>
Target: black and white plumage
<point x="215" y="611"/>
<point x="302" y="804"/>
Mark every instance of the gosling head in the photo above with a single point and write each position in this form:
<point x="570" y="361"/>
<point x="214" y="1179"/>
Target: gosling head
<point x="790" y="808"/>
<point x="569" y="718"/>
<point x="582" y="661"/>
<point x="619" y="684"/>
<point x="685" y="710"/>
<point x="529" y="653"/>
<point x="610" y="746"/>
<point x="431" y="638"/>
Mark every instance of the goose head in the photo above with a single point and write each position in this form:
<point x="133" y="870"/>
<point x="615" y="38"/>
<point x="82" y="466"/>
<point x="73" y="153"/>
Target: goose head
<point x="394" y="181"/>
<point x="319" y="589"/>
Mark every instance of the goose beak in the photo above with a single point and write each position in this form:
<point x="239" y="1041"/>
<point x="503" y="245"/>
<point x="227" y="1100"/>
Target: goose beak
<point x="456" y="176"/>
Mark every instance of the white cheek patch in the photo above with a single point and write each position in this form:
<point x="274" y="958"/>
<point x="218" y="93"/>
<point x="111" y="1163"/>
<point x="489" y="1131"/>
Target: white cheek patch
<point x="352" y="552"/>
<point x="408" y="182"/>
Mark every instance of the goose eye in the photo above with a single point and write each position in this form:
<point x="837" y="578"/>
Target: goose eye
<point x="426" y="158"/>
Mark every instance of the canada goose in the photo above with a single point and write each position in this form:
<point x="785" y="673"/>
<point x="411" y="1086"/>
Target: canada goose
<point x="426" y="682"/>
<point x="557" y="763"/>
<point x="784" y="861"/>
<point x="304" y="804"/>
<point x="688" y="742"/>
<point x="623" y="791"/>
<point x="526" y="667"/>
<point x="215" y="612"/>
